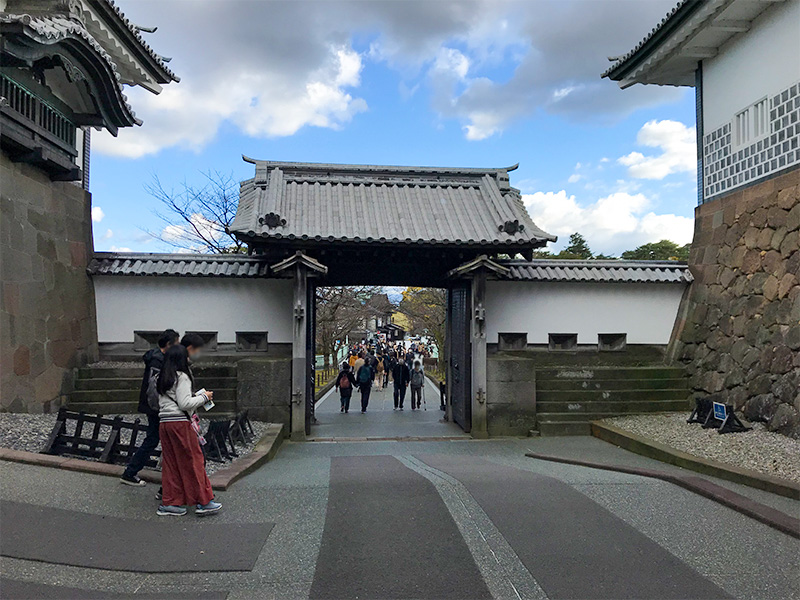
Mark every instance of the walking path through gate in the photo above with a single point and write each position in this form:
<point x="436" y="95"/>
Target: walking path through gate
<point x="380" y="421"/>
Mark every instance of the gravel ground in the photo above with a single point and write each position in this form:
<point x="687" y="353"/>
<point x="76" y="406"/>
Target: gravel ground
<point x="30" y="432"/>
<point x="759" y="450"/>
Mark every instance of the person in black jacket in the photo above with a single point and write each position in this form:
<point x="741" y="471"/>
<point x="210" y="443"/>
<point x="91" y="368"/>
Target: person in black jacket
<point x="401" y="376"/>
<point x="345" y="382"/>
<point x="153" y="359"/>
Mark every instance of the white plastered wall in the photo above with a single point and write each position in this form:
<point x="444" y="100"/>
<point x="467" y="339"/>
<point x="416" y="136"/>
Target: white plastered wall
<point x="224" y="305"/>
<point x="645" y="312"/>
<point x="763" y="61"/>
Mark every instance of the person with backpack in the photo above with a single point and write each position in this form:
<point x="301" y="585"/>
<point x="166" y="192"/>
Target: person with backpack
<point x="364" y="376"/>
<point x="345" y="382"/>
<point x="183" y="471"/>
<point x="401" y="377"/>
<point x="417" y="382"/>
<point x="153" y="361"/>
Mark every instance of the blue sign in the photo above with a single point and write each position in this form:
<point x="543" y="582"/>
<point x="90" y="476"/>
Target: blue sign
<point x="719" y="411"/>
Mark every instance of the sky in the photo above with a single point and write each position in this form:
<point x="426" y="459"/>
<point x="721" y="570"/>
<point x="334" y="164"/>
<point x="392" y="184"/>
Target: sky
<point x="435" y="83"/>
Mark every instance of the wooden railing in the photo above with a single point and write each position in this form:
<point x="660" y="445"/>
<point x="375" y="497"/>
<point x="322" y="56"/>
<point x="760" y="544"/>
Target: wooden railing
<point x="38" y="111"/>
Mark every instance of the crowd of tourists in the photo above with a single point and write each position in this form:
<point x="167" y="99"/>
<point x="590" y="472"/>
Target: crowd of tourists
<point x="169" y="398"/>
<point x="378" y="365"/>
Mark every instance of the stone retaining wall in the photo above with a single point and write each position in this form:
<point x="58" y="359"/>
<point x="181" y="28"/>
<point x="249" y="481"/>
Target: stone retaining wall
<point x="47" y="321"/>
<point x="740" y="331"/>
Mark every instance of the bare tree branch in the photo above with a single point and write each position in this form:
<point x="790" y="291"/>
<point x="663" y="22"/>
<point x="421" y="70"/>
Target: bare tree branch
<point x="197" y="219"/>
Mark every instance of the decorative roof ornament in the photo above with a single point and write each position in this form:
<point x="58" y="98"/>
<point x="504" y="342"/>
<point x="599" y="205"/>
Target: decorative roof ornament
<point x="511" y="227"/>
<point x="272" y="220"/>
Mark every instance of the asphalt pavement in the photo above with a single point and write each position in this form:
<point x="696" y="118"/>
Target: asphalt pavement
<point x="454" y="518"/>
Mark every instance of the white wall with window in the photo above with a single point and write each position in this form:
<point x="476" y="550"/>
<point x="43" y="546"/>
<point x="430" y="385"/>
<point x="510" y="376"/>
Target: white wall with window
<point x="222" y="305"/>
<point x="645" y="312"/>
<point x="751" y="102"/>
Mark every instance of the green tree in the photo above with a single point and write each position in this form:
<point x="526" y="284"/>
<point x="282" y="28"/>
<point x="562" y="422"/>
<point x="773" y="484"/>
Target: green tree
<point x="578" y="248"/>
<point x="663" y="250"/>
<point x="426" y="309"/>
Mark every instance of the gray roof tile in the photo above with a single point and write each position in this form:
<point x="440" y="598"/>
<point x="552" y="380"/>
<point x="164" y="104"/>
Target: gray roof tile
<point x="383" y="204"/>
<point x="177" y="265"/>
<point x="622" y="271"/>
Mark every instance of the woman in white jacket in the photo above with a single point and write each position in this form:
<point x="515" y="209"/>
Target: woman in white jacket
<point x="183" y="471"/>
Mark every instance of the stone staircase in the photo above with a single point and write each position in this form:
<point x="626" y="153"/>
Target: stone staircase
<point x="115" y="389"/>
<point x="568" y="399"/>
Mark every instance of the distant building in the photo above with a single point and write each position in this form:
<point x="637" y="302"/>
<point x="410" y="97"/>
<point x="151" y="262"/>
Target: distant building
<point x="739" y="333"/>
<point x="65" y="65"/>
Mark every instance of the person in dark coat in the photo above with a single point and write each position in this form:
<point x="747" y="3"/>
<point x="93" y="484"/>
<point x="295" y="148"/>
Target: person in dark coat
<point x="345" y="382"/>
<point x="364" y="378"/>
<point x="153" y="359"/>
<point x="401" y="376"/>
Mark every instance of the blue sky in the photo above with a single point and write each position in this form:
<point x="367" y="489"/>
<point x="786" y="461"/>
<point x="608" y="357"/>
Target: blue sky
<point x="443" y="83"/>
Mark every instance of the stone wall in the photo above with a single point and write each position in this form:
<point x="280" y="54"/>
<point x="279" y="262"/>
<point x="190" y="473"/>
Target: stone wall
<point x="510" y="395"/>
<point x="264" y="387"/>
<point x="47" y="322"/>
<point x="740" y="330"/>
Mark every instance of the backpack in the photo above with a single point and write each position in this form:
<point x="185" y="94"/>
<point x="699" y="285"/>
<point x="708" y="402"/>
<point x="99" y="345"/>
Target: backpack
<point x="152" y="389"/>
<point x="380" y="365"/>
<point x="364" y="374"/>
<point x="417" y="378"/>
<point x="344" y="382"/>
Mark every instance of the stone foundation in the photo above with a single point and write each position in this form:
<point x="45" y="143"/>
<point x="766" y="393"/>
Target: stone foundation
<point x="740" y="333"/>
<point x="47" y="321"/>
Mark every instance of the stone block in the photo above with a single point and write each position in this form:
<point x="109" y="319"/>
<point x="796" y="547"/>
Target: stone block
<point x="785" y="420"/>
<point x="22" y="361"/>
<point x="776" y="217"/>
<point x="793" y="218"/>
<point x="788" y="197"/>
<point x="790" y="243"/>
<point x="751" y="261"/>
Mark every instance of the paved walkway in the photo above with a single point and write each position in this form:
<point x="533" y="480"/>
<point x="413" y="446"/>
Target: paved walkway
<point x="380" y="420"/>
<point x="429" y="520"/>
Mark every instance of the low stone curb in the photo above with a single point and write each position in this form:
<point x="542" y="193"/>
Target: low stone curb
<point x="708" y="489"/>
<point x="655" y="450"/>
<point x="265" y="450"/>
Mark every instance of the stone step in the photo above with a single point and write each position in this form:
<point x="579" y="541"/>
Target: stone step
<point x="136" y="371"/>
<point x="553" y="428"/>
<point x="227" y="408"/>
<point x="587" y="417"/>
<point x="613" y="407"/>
<point x="95" y="396"/>
<point x="612" y="384"/>
<point x="589" y="373"/>
<point x="134" y="383"/>
<point x="589" y="395"/>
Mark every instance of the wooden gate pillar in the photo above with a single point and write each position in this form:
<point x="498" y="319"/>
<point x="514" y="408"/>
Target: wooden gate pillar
<point x="478" y="322"/>
<point x="478" y="270"/>
<point x="301" y="267"/>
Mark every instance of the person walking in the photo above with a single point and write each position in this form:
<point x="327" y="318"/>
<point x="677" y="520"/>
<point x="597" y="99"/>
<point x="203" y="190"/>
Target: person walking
<point x="380" y="369"/>
<point x="153" y="362"/>
<point x="364" y="376"/>
<point x="345" y="382"/>
<point x="360" y="362"/>
<point x="183" y="473"/>
<point x="417" y="381"/>
<point x="401" y="376"/>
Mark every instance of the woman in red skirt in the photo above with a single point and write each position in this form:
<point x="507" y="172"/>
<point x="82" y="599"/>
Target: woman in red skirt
<point x="183" y="471"/>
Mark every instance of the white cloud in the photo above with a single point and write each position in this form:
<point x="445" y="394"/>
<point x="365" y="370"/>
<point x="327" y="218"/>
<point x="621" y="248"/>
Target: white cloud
<point x="260" y="103"/>
<point x="182" y="234"/>
<point x="97" y="214"/>
<point x="574" y="178"/>
<point x="271" y="69"/>
<point x="612" y="224"/>
<point x="108" y="234"/>
<point x="120" y="249"/>
<point x="678" y="151"/>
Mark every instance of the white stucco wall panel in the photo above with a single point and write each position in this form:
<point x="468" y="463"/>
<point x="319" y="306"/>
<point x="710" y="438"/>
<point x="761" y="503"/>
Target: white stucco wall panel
<point x="126" y="304"/>
<point x="763" y="61"/>
<point x="645" y="312"/>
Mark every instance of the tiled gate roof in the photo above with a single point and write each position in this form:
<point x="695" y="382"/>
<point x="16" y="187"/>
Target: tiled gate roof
<point x="382" y="204"/>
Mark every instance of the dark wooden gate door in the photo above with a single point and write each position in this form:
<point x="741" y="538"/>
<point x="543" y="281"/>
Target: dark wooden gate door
<point x="459" y="381"/>
<point x="311" y="349"/>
